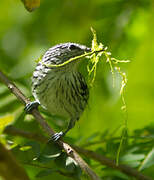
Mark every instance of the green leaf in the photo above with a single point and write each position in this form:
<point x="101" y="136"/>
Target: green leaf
<point x="50" y="152"/>
<point x="35" y="147"/>
<point x="148" y="161"/>
<point x="5" y="120"/>
<point x="44" y="173"/>
<point x="111" y="147"/>
<point x="28" y="152"/>
<point x="132" y="157"/>
<point x="92" y="137"/>
<point x="9" y="104"/>
<point x="70" y="164"/>
<point x="61" y="160"/>
<point x="25" y="148"/>
<point x="114" y="174"/>
<point x="133" y="160"/>
<point x="4" y="92"/>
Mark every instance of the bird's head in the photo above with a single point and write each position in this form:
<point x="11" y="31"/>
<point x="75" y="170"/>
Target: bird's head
<point x="61" y="53"/>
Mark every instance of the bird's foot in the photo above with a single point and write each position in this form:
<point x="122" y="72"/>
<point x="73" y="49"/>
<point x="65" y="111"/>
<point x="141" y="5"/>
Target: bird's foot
<point x="56" y="136"/>
<point x="30" y="106"/>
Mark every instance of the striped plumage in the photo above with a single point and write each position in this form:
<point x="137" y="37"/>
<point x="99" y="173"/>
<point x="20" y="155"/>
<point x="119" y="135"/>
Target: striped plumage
<point x="61" y="90"/>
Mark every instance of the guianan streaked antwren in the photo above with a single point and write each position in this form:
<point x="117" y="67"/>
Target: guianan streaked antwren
<point x="62" y="90"/>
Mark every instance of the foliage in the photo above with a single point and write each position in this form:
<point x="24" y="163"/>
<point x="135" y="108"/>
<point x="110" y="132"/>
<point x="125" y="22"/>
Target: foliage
<point x="5" y="120"/>
<point x="126" y="27"/>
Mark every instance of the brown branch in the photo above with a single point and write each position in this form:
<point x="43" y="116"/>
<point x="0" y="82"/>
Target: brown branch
<point x="90" y="154"/>
<point x="67" y="148"/>
<point x="110" y="163"/>
<point x="9" y="168"/>
<point x="11" y="130"/>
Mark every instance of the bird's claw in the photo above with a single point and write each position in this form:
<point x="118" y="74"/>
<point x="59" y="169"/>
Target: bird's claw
<point x="57" y="136"/>
<point x="30" y="106"/>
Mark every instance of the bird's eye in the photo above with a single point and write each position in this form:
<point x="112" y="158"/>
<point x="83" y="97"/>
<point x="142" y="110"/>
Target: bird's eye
<point x="73" y="47"/>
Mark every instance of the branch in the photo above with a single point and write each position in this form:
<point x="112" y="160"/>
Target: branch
<point x="67" y="148"/>
<point x="18" y="132"/>
<point x="9" y="168"/>
<point x="110" y="163"/>
<point x="90" y="154"/>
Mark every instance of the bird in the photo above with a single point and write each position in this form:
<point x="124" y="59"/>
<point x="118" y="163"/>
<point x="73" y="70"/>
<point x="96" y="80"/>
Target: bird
<point x="60" y="87"/>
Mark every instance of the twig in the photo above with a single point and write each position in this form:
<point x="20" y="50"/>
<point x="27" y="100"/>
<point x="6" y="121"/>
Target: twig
<point x="90" y="154"/>
<point x="110" y="163"/>
<point x="67" y="148"/>
<point x="10" y="129"/>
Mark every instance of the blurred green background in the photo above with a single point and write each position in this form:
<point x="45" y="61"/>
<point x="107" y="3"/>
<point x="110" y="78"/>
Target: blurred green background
<point x="126" y="27"/>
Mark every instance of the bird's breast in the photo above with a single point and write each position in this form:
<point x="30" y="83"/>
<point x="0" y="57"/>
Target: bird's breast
<point x="61" y="93"/>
